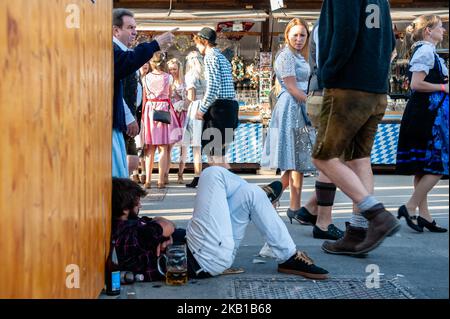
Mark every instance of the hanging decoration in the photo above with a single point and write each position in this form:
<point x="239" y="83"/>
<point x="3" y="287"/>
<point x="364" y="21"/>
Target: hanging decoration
<point x="183" y="43"/>
<point x="238" y="68"/>
<point x="141" y="37"/>
<point x="265" y="76"/>
<point x="227" y="26"/>
<point x="252" y="74"/>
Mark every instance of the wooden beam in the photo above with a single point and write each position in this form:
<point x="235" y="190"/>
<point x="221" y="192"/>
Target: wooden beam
<point x="265" y="36"/>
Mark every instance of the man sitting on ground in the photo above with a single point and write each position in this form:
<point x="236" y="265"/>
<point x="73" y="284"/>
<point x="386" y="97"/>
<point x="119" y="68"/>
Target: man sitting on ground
<point x="224" y="206"/>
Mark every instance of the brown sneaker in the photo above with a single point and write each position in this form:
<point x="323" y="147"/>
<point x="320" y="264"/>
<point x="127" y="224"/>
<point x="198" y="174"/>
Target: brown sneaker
<point x="347" y="244"/>
<point x="381" y="224"/>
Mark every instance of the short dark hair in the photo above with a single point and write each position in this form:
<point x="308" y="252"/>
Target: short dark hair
<point x="125" y="195"/>
<point x="118" y="15"/>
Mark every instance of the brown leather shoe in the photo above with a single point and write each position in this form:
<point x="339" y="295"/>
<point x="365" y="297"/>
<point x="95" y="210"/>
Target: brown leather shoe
<point x="347" y="244"/>
<point x="381" y="224"/>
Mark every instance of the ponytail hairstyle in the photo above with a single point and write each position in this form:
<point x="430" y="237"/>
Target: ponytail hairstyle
<point x="416" y="31"/>
<point x="157" y="61"/>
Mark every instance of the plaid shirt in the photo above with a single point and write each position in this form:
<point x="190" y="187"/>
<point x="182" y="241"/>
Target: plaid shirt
<point x="136" y="242"/>
<point x="219" y="79"/>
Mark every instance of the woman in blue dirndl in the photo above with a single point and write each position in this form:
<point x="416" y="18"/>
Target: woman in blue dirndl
<point x="423" y="146"/>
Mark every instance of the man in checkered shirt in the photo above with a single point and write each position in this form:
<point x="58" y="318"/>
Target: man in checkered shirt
<point x="218" y="109"/>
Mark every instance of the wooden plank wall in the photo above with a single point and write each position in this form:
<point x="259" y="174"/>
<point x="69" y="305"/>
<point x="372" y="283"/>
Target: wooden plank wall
<point x="55" y="146"/>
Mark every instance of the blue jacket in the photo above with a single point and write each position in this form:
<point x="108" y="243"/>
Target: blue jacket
<point x="125" y="63"/>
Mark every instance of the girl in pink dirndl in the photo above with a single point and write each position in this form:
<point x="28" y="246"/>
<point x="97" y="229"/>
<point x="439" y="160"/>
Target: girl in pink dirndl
<point x="157" y="134"/>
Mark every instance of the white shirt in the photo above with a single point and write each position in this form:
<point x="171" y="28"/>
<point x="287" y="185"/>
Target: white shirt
<point x="424" y="58"/>
<point x="129" y="118"/>
<point x="138" y="91"/>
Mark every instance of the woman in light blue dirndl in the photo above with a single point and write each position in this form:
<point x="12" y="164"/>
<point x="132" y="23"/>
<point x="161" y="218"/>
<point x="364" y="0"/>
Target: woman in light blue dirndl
<point x="290" y="139"/>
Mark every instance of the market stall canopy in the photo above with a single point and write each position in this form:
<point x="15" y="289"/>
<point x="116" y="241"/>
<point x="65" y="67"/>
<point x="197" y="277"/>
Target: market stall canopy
<point x="398" y="14"/>
<point x="286" y="15"/>
<point x="408" y="15"/>
<point x="182" y="16"/>
<point x="164" y="20"/>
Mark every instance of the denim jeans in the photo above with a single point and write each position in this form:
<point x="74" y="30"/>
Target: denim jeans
<point x="224" y="206"/>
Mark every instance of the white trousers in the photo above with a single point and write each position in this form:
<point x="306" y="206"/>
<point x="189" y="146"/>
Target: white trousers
<point x="224" y="206"/>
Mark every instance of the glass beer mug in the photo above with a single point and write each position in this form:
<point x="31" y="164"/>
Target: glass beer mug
<point x="176" y="265"/>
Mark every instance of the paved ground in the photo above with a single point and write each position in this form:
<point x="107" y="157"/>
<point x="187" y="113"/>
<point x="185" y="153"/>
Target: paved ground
<point x="417" y="263"/>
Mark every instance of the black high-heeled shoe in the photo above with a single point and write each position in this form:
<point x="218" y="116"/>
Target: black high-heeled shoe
<point x="432" y="227"/>
<point x="302" y="216"/>
<point x="403" y="212"/>
<point x="291" y="214"/>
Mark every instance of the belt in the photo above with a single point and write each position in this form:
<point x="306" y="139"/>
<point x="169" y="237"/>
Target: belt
<point x="160" y="100"/>
<point x="317" y="93"/>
